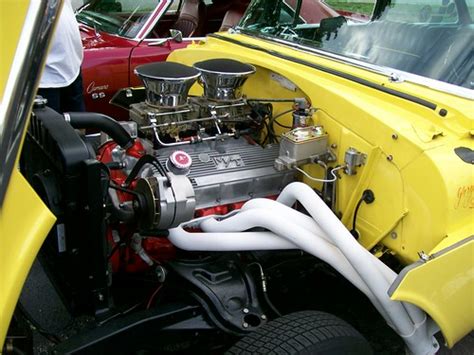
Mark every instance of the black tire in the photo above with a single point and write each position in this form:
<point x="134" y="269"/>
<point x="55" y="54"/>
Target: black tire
<point x="308" y="332"/>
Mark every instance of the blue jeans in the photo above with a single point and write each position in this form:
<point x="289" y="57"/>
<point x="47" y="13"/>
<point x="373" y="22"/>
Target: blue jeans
<point x="66" y="99"/>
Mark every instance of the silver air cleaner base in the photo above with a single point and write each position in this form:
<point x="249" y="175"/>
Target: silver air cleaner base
<point x="167" y="84"/>
<point x="222" y="79"/>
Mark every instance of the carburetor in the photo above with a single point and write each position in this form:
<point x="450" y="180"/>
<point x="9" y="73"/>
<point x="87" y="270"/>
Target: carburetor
<point x="175" y="118"/>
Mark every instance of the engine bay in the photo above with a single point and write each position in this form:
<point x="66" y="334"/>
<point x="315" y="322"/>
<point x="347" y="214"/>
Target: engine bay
<point x="194" y="156"/>
<point x="312" y="194"/>
<point x="166" y="219"/>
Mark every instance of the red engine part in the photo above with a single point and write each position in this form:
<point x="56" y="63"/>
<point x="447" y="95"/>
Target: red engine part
<point x="159" y="249"/>
<point x="219" y="210"/>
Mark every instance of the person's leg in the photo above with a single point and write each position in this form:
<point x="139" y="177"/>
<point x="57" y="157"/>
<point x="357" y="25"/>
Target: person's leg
<point x="53" y="96"/>
<point x="72" y="99"/>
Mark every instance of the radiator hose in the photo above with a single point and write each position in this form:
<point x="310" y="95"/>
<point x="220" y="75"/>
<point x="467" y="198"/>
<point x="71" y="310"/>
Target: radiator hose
<point x="100" y="122"/>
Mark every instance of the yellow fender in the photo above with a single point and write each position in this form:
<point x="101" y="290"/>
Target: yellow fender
<point x="444" y="290"/>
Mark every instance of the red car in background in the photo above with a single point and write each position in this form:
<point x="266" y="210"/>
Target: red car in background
<point x="119" y="35"/>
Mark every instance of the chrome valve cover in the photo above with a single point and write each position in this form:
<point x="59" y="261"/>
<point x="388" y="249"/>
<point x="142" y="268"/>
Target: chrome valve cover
<point x="230" y="171"/>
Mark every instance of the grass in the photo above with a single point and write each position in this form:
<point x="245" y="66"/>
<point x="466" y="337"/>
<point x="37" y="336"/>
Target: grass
<point x="355" y="7"/>
<point x="401" y="12"/>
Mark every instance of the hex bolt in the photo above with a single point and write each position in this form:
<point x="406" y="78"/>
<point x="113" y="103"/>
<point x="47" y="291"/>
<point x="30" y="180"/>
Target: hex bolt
<point x="390" y="157"/>
<point x="394" y="235"/>
<point x="334" y="146"/>
<point x="245" y="310"/>
<point x="395" y="136"/>
<point x="160" y="272"/>
<point x="423" y="256"/>
<point x="263" y="316"/>
<point x="245" y="325"/>
<point x="100" y="296"/>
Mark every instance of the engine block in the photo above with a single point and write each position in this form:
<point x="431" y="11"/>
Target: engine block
<point x="200" y="149"/>
<point x="230" y="171"/>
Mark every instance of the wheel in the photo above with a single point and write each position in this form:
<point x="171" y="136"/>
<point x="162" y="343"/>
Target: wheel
<point x="308" y="332"/>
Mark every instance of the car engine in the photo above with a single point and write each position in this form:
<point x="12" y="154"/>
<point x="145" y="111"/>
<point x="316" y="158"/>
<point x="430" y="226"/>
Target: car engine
<point x="191" y="155"/>
<point x="199" y="143"/>
<point x="191" y="194"/>
<point x="179" y="157"/>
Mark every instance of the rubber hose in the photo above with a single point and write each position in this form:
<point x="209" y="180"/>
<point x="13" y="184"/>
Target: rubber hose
<point x="103" y="123"/>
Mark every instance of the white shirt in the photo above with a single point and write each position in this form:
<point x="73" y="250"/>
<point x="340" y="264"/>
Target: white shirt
<point x="64" y="60"/>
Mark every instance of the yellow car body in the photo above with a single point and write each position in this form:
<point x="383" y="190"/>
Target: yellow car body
<point x="24" y="220"/>
<point x="424" y="192"/>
